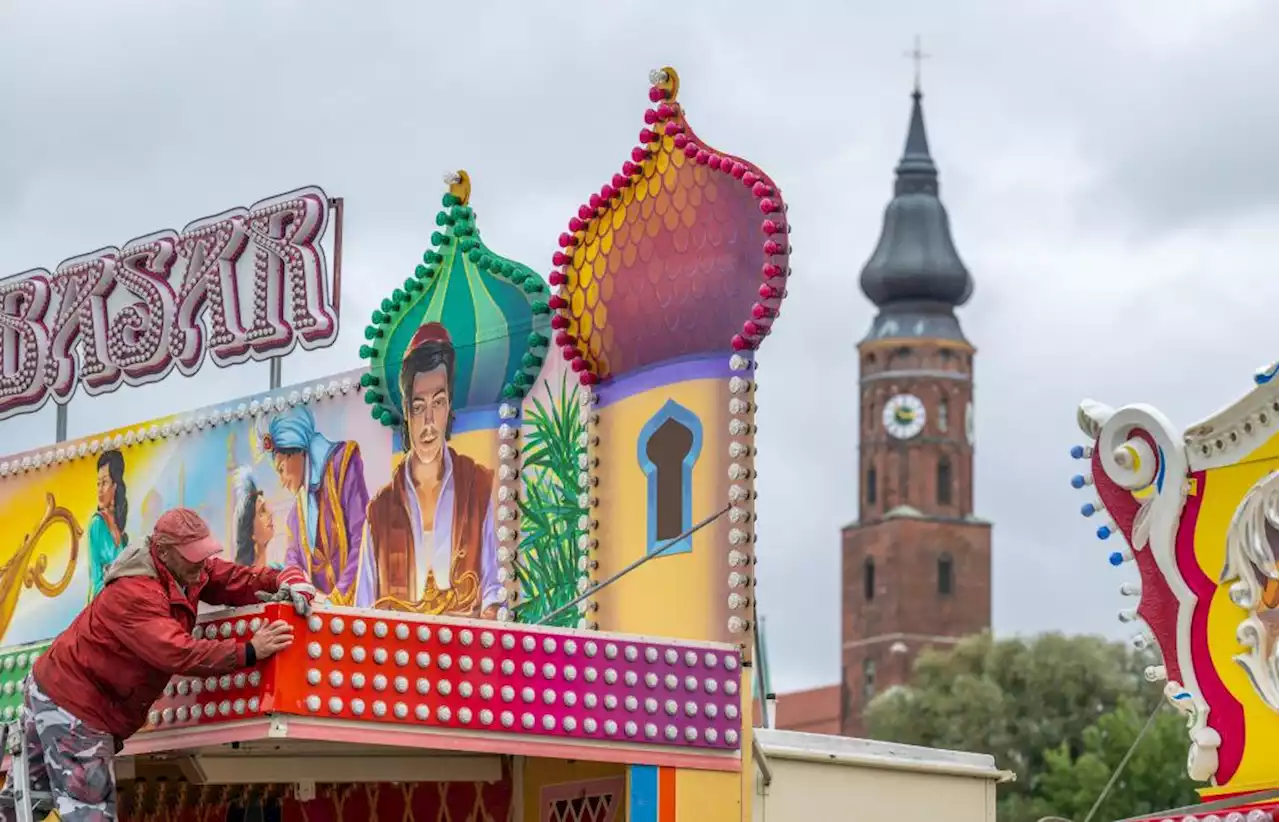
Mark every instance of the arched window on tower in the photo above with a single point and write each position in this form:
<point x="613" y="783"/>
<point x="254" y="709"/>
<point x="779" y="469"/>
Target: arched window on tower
<point x="868" y="679"/>
<point x="944" y="481"/>
<point x="943" y="408"/>
<point x="946" y="575"/>
<point x="869" y="579"/>
<point x="667" y="449"/>
<point x="871" y="485"/>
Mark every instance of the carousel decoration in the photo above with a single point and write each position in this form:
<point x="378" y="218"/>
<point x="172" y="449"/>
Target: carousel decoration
<point x="1198" y="514"/>
<point x="27" y="567"/>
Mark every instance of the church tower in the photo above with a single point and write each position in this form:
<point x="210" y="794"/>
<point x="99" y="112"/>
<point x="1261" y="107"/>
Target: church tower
<point x="916" y="563"/>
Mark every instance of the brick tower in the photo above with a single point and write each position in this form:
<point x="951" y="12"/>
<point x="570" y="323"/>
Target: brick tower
<point x="916" y="563"/>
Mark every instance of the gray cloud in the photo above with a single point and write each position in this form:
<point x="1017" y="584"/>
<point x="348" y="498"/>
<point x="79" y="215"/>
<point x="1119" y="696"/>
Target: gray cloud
<point x="1111" y="177"/>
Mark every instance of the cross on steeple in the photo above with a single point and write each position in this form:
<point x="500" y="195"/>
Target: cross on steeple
<point x="917" y="56"/>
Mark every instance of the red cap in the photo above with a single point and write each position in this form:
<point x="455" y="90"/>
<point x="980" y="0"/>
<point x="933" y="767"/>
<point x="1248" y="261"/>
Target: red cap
<point x="429" y="332"/>
<point x="186" y="531"/>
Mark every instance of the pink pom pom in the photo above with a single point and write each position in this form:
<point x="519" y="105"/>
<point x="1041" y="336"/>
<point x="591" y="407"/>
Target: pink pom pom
<point x="620" y="182"/>
<point x="773" y="247"/>
<point x="750" y="329"/>
<point x="749" y="178"/>
<point x="567" y="240"/>
<point x="557" y="302"/>
<point x="570" y="352"/>
<point x="770" y="227"/>
<point x="576" y="224"/>
<point x="672" y="128"/>
<point x="639" y="154"/>
<point x="768" y="206"/>
<point x="740" y="343"/>
<point x="738" y="170"/>
<point x="607" y="193"/>
<point x="681" y="141"/>
<point x="557" y="278"/>
<point x="579" y="364"/>
<point x="768" y="292"/>
<point x="650" y="116"/>
<point x="656" y="94"/>
<point x="703" y="157"/>
<point x="559" y="322"/>
<point x="586" y="212"/>
<point x="564" y="338"/>
<point x="594" y="201"/>
<point x="630" y="169"/>
<point x="714" y="162"/>
<point x="587" y="378"/>
<point x="761" y="190"/>
<point x="691" y="150"/>
<point x="560" y="258"/>
<point x="665" y="110"/>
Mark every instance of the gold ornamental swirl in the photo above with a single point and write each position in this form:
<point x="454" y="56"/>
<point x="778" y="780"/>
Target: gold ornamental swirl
<point x="27" y="567"/>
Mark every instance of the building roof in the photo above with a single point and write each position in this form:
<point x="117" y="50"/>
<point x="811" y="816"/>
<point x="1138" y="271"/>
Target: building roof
<point x="816" y="710"/>
<point x="779" y="744"/>
<point x="915" y="275"/>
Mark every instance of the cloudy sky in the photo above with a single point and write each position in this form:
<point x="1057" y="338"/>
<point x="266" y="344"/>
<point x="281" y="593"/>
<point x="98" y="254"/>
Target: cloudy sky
<point x="1111" y="175"/>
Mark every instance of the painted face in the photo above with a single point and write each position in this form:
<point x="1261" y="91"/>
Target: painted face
<point x="290" y="469"/>
<point x="264" y="527"/>
<point x="106" y="489"/>
<point x="428" y="414"/>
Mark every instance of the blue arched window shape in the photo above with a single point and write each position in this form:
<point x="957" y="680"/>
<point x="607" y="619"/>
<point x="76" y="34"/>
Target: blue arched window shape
<point x="668" y="447"/>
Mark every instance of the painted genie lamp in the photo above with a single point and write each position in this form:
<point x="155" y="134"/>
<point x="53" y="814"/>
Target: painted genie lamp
<point x="1198" y="512"/>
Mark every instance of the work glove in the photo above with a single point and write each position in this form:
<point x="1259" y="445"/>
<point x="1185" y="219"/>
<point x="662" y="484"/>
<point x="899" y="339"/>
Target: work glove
<point x="295" y="589"/>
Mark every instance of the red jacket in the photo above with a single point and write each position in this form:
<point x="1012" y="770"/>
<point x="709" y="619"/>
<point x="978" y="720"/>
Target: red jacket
<point x="113" y="662"/>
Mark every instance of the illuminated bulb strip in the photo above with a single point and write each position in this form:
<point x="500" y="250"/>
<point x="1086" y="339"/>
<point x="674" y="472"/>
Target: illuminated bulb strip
<point x="742" y="475"/>
<point x="508" y="507"/>
<point x="196" y="421"/>
<point x="15" y="664"/>
<point x="588" y="502"/>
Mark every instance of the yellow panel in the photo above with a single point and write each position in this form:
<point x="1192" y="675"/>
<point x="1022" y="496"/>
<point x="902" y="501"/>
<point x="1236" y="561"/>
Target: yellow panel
<point x="692" y="586"/>
<point x="1224" y="488"/>
<point x="708" y="796"/>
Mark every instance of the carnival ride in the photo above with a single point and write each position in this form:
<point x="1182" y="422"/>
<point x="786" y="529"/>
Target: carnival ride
<point x="1199" y="514"/>
<point x="605" y="421"/>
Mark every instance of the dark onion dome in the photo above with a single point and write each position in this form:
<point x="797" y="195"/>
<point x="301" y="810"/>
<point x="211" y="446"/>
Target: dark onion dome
<point x="916" y="261"/>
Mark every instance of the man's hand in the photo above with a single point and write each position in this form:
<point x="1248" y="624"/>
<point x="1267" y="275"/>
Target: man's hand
<point x="272" y="638"/>
<point x="295" y="589"/>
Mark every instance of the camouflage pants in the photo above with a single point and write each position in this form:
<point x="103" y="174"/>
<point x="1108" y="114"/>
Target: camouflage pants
<point x="67" y="758"/>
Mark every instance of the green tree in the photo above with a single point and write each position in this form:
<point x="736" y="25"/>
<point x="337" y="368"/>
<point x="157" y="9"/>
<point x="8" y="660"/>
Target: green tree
<point x="1025" y="701"/>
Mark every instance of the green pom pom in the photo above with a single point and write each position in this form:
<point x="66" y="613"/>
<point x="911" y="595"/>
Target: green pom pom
<point x="540" y="307"/>
<point x="465" y="229"/>
<point x="518" y="277"/>
<point x="367" y="380"/>
<point x="398" y="296"/>
<point x="475" y="256"/>
<point x="467" y="245"/>
<point x="422" y="271"/>
<point x="376" y="413"/>
<point x="411" y="285"/>
<point x="460" y="212"/>
<point x="378" y="317"/>
<point x="510" y="392"/>
<point x="486" y="262"/>
<point x="387" y="306"/>
<point x="368" y="352"/>
<point x="428" y="257"/>
<point x="442" y="217"/>
<point x="534" y="285"/>
<point x="537" y="340"/>
<point x="372" y="397"/>
<point x="449" y="200"/>
<point x="372" y="332"/>
<point x="523" y="380"/>
<point x="388" y="417"/>
<point x="438" y="239"/>
<point x="530" y="361"/>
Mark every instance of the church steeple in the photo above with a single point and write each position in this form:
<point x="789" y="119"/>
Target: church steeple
<point x="915" y="275"/>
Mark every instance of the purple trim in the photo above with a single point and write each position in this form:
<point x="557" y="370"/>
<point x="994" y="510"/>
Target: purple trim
<point x="668" y="372"/>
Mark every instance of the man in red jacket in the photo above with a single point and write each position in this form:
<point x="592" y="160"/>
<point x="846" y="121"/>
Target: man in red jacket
<point x="93" y="687"/>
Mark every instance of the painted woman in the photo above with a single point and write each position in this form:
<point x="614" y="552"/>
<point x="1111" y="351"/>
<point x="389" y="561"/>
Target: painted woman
<point x="106" y="527"/>
<point x="254" y="525"/>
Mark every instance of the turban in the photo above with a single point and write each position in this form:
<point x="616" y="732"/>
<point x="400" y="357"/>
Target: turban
<point x="295" y="429"/>
<point x="429" y="333"/>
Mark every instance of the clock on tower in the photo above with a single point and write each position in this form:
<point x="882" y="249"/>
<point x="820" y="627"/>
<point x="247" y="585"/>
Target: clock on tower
<point x="917" y="562"/>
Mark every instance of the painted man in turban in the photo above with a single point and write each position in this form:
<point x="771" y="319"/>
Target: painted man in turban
<point x="326" y="522"/>
<point x="431" y="528"/>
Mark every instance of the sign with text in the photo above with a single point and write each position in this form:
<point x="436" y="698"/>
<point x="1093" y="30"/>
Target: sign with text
<point x="249" y="283"/>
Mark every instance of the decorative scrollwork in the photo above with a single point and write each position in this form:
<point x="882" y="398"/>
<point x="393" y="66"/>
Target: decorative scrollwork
<point x="1250" y="567"/>
<point x="1202" y="757"/>
<point x="28" y="566"/>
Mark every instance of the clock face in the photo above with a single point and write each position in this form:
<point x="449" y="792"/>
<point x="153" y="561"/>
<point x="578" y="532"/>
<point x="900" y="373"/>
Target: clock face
<point x="904" y="416"/>
<point x="968" y="423"/>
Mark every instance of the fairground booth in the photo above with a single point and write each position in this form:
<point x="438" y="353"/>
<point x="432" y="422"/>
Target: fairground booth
<point x="1197" y="513"/>
<point x="513" y="441"/>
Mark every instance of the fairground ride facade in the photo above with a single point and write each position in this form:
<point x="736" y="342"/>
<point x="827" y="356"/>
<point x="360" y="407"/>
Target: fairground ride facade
<point x="465" y="661"/>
